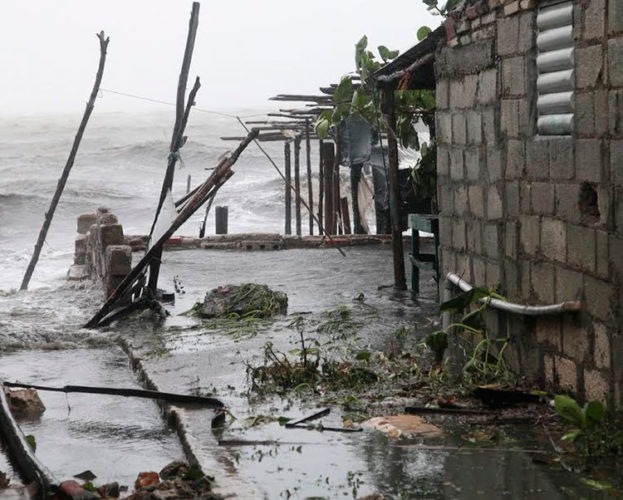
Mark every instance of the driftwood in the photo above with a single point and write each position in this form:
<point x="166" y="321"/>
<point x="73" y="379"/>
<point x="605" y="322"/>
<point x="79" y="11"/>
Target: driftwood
<point x="70" y="162"/>
<point x="20" y="451"/>
<point x="200" y="196"/>
<point x="182" y="113"/>
<point x="169" y="397"/>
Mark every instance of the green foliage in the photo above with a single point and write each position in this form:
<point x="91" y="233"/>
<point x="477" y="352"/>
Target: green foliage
<point x="32" y="442"/>
<point x="423" y="32"/>
<point x="584" y="419"/>
<point x="438" y="343"/>
<point x="443" y="9"/>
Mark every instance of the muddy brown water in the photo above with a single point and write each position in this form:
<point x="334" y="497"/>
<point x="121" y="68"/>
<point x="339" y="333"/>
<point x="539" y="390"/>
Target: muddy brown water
<point x="118" y="437"/>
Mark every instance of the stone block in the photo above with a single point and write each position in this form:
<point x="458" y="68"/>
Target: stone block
<point x="596" y="386"/>
<point x="444" y="127"/>
<point x="460" y="200"/>
<point x="527" y="126"/>
<point x="463" y="267"/>
<point x="472" y="163"/>
<point x="553" y="239"/>
<point x="561" y="166"/>
<point x="488" y="127"/>
<point x="567" y="374"/>
<point x="467" y="60"/>
<point x="494" y="163"/>
<point x="615" y="62"/>
<point x="584" y="115"/>
<point x="479" y="271"/>
<point x="601" y="298"/>
<point x="77" y="272"/>
<point x="456" y="164"/>
<point x="459" y="133"/>
<point x="474" y="237"/>
<point x="615" y="257"/>
<point x="463" y="92"/>
<point x="511" y="237"/>
<point x="513" y="76"/>
<point x="575" y="338"/>
<point x="602" y="356"/>
<point x="548" y="332"/>
<point x="476" y="201"/>
<point x="616" y="162"/>
<point x="537" y="159"/>
<point x="118" y="260"/>
<point x="615" y="16"/>
<point x="509" y="117"/>
<point x="445" y="231"/>
<point x="581" y="249"/>
<point x="515" y="159"/>
<point x="491" y="241"/>
<point x="458" y="234"/>
<point x="107" y="218"/>
<point x="511" y="8"/>
<point x="486" y="33"/>
<point x="569" y="284"/>
<point x="542" y="198"/>
<point x="588" y="160"/>
<point x="524" y="279"/>
<point x="85" y="221"/>
<point x="527" y="32"/>
<point x="474" y="127"/>
<point x="445" y="199"/>
<point x="567" y="202"/>
<point x="110" y="234"/>
<point x="602" y="257"/>
<point x="600" y="105"/>
<point x="594" y="20"/>
<point x="511" y="195"/>
<point x="441" y="93"/>
<point x="525" y="190"/>
<point x="529" y="234"/>
<point x="494" y="274"/>
<point x="542" y="281"/>
<point x="443" y="161"/>
<point x="589" y="66"/>
<point x="494" y="204"/>
<point x="508" y="35"/>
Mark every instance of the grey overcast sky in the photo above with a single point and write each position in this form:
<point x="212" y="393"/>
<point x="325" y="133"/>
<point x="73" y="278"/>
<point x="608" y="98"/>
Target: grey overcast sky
<point x="246" y="50"/>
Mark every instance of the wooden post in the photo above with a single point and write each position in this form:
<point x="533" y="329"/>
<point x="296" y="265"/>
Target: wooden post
<point x="220" y="225"/>
<point x="336" y="189"/>
<point x="288" y="193"/>
<point x="182" y="111"/>
<point x="70" y="163"/>
<point x="310" y="193"/>
<point x="345" y="215"/>
<point x="394" y="190"/>
<point x="355" y="178"/>
<point x="297" y="182"/>
<point x="188" y="179"/>
<point x="320" y="184"/>
<point x="328" y="159"/>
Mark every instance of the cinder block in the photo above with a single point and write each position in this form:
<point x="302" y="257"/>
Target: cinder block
<point x="600" y="100"/>
<point x="441" y="93"/>
<point x="494" y="163"/>
<point x="615" y="16"/>
<point x="443" y="161"/>
<point x="549" y="370"/>
<point x="567" y="202"/>
<point x="474" y="127"/>
<point x="537" y="159"/>
<point x="594" y="20"/>
<point x="474" y="237"/>
<point x="553" y="239"/>
<point x="459" y="133"/>
<point x="513" y="76"/>
<point x="494" y="274"/>
<point x="445" y="231"/>
<point x="85" y="221"/>
<point x="494" y="204"/>
<point x="616" y="162"/>
<point x="445" y="199"/>
<point x="456" y="164"/>
<point x="600" y="298"/>
<point x="542" y="198"/>
<point x="542" y="281"/>
<point x="511" y="197"/>
<point x="80" y="249"/>
<point x="615" y="67"/>
<point x="567" y="373"/>
<point x="472" y="163"/>
<point x="584" y="115"/>
<point x="489" y="127"/>
<point x="508" y="35"/>
<point x="530" y="231"/>
<point x="589" y="66"/>
<point x="581" y="248"/>
<point x="548" y="332"/>
<point x="596" y="386"/>
<point x="616" y="257"/>
<point x="118" y="260"/>
<point x="561" y="158"/>
<point x="110" y="234"/>
<point x="527" y="32"/>
<point x="602" y="260"/>
<point x="460" y="200"/>
<point x="511" y="8"/>
<point x="509" y="117"/>
<point x="491" y="241"/>
<point x="476" y="201"/>
<point x="575" y="338"/>
<point x="569" y="284"/>
<point x="458" y="234"/>
<point x="602" y="357"/>
<point x="515" y="159"/>
<point x="444" y="127"/>
<point x="479" y="271"/>
<point x="511" y="237"/>
<point x="588" y="160"/>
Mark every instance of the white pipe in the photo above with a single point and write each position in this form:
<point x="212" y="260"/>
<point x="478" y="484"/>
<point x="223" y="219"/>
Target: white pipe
<point x="569" y="306"/>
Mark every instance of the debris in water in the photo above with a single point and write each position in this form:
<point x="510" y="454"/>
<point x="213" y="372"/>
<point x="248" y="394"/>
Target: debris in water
<point x="25" y="402"/>
<point x="146" y="479"/>
<point x="87" y="475"/>
<point x="244" y="301"/>
<point x="403" y="425"/>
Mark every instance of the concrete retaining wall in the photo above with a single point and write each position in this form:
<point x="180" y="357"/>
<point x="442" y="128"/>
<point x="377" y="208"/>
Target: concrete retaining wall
<point x="540" y="215"/>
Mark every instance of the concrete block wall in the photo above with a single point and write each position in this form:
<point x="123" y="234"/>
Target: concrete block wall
<point x="540" y="215"/>
<point x="100" y="252"/>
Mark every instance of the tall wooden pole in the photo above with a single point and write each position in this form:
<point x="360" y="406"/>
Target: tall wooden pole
<point x="182" y="111"/>
<point x="328" y="158"/>
<point x="297" y="182"/>
<point x="70" y="163"/>
<point x="288" y="188"/>
<point x="394" y="190"/>
<point x="320" y="184"/>
<point x="355" y="179"/>
<point x="337" y="208"/>
<point x="310" y="193"/>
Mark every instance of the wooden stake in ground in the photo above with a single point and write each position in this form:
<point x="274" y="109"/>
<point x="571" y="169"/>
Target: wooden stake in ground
<point x="70" y="163"/>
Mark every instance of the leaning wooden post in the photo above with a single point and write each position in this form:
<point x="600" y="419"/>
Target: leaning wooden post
<point x="394" y="189"/>
<point x="288" y="187"/>
<point x="310" y="193"/>
<point x="328" y="157"/>
<point x="320" y="184"/>
<point x="177" y="140"/>
<point x="297" y="182"/>
<point x="70" y="162"/>
<point x="337" y="208"/>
